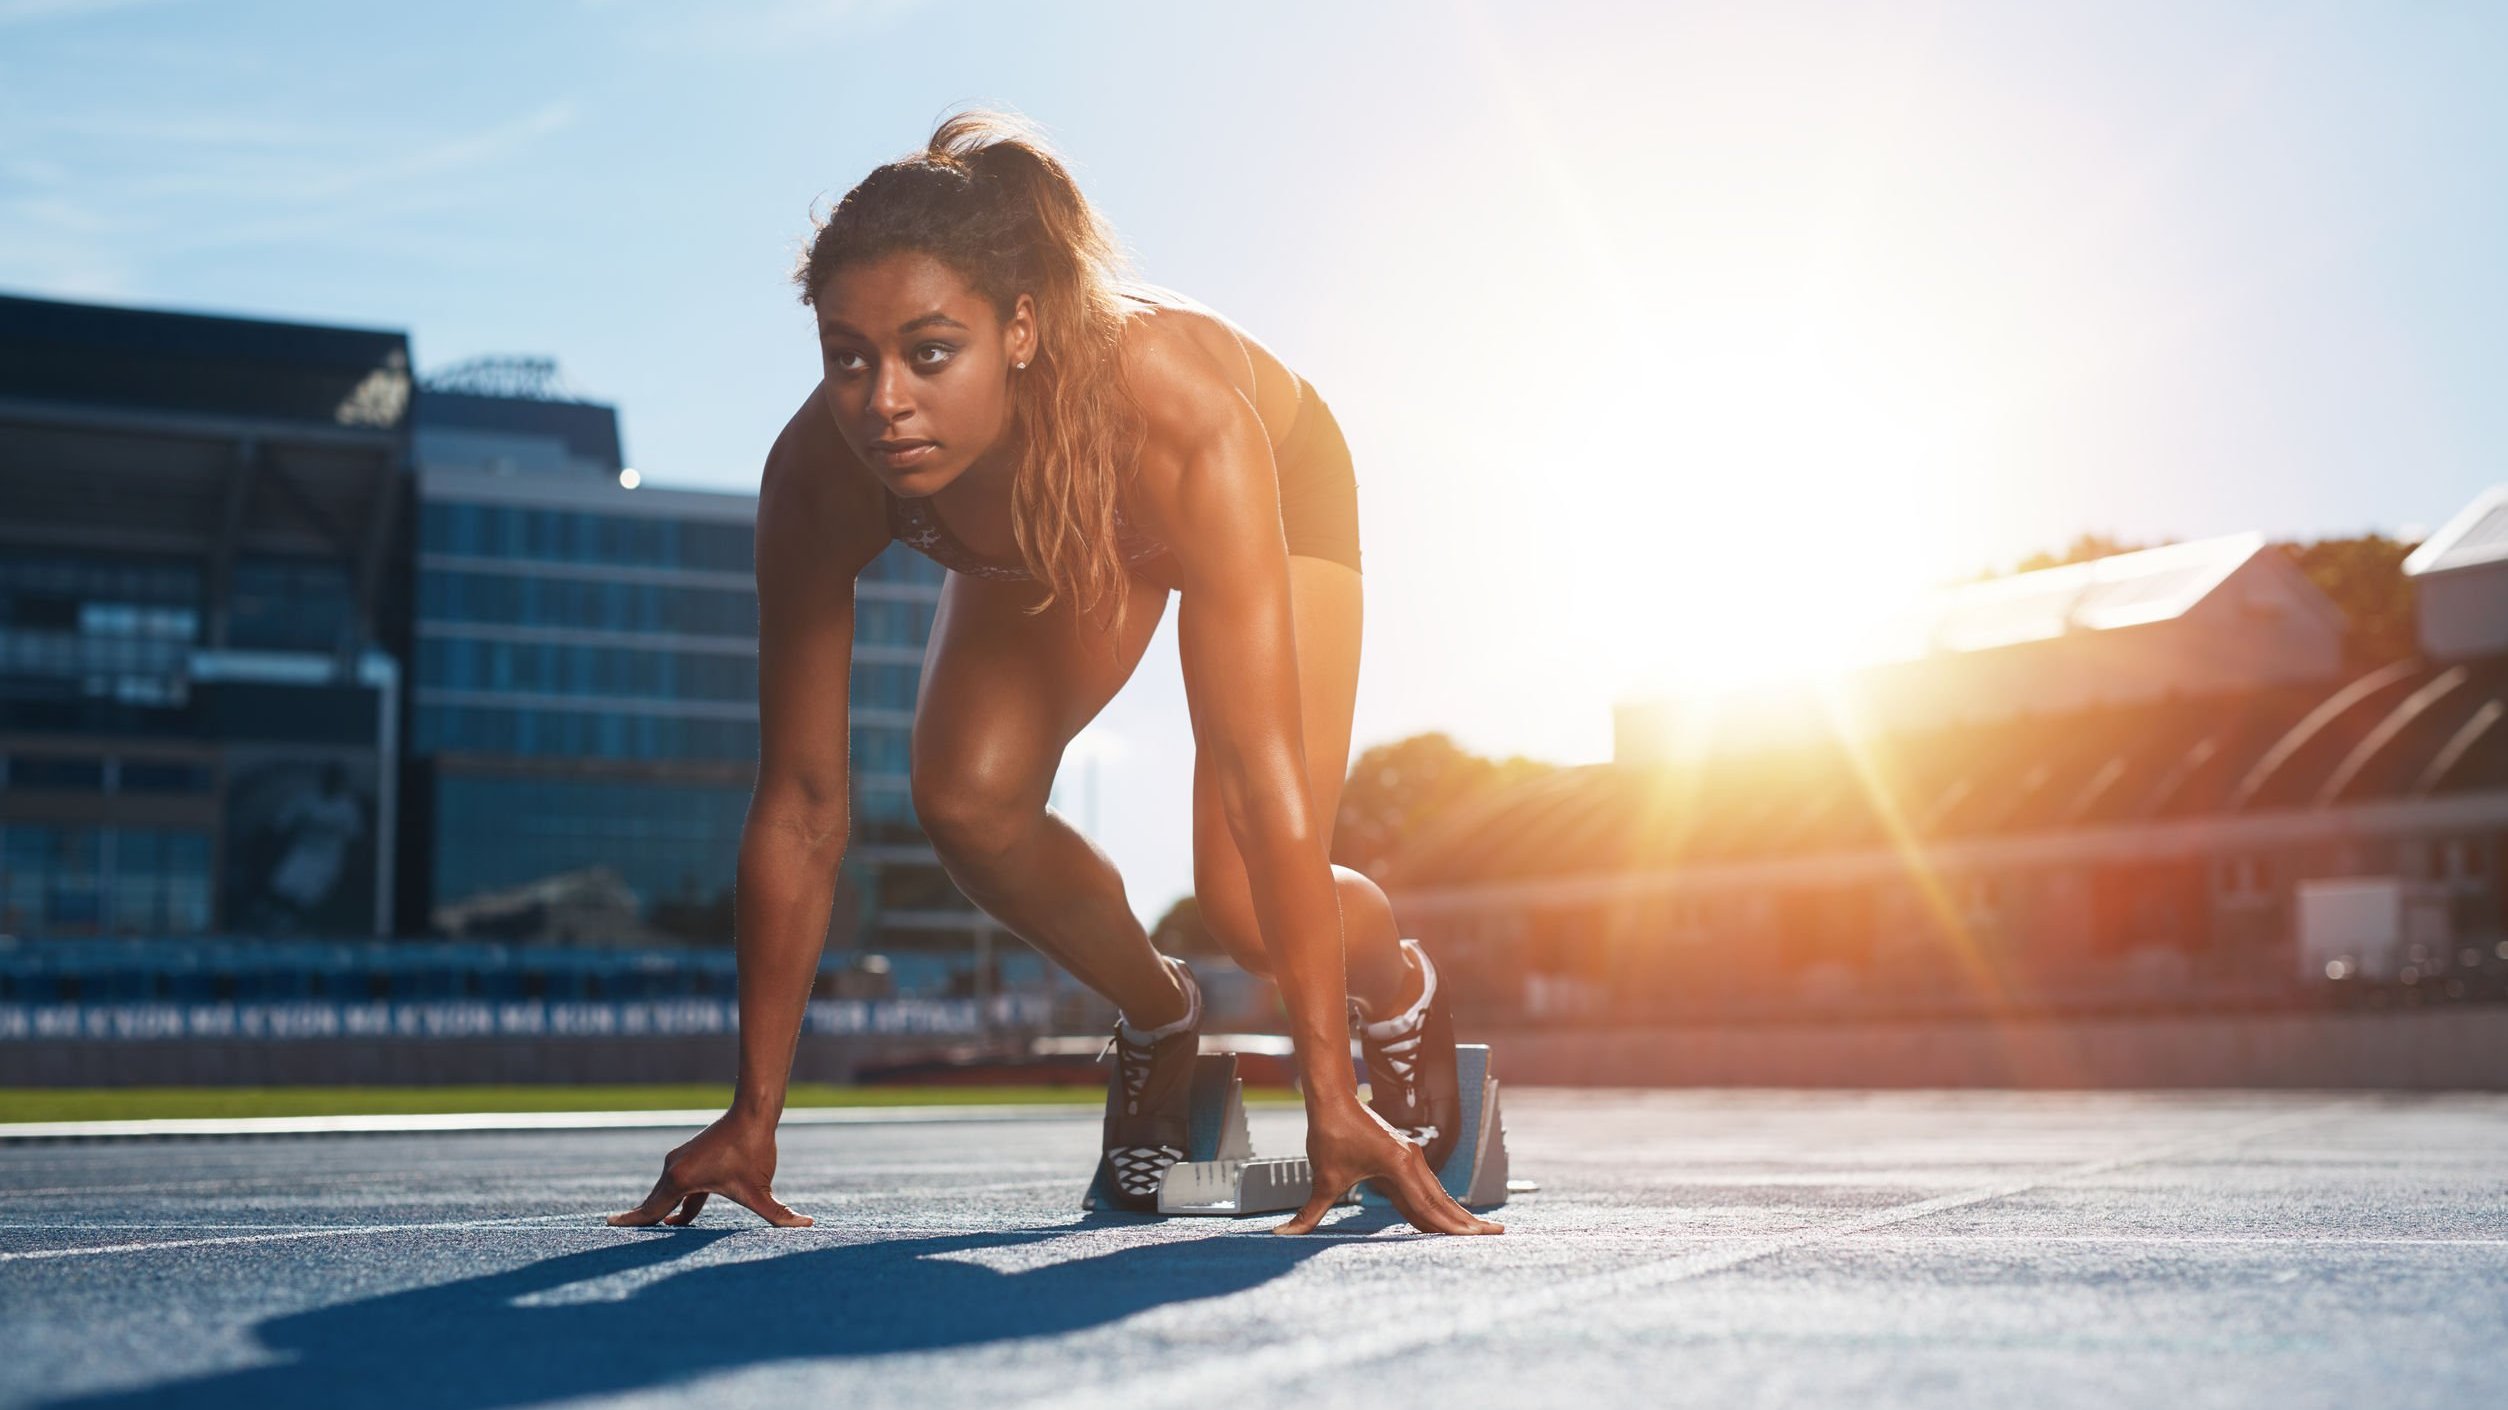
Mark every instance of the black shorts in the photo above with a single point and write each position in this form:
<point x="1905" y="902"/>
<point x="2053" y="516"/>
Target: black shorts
<point x="1318" y="485"/>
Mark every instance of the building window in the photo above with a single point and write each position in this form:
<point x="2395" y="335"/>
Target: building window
<point x="165" y="776"/>
<point x="881" y="621"/>
<point x="883" y="801"/>
<point x="488" y="729"/>
<point x="663" y="843"/>
<point x="884" y="685"/>
<point x="289" y="604"/>
<point x="882" y="751"/>
<point x="49" y="879"/>
<point x="55" y="773"/>
<point x="523" y="600"/>
<point x="160" y="881"/>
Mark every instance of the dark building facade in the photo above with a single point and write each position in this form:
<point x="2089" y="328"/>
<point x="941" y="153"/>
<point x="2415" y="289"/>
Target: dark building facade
<point x="200" y="519"/>
<point x="583" y="702"/>
<point x="292" y="646"/>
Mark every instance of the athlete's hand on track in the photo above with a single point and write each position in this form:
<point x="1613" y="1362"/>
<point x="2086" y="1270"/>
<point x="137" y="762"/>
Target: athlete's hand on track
<point x="731" y="1158"/>
<point x="1353" y="1145"/>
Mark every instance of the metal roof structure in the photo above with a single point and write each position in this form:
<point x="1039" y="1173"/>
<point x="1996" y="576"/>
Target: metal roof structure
<point x="2102" y="594"/>
<point x="239" y="369"/>
<point x="587" y="430"/>
<point x="2406" y="732"/>
<point x="2478" y="535"/>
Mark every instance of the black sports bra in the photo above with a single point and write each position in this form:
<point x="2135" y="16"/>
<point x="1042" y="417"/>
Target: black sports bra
<point x="912" y="523"/>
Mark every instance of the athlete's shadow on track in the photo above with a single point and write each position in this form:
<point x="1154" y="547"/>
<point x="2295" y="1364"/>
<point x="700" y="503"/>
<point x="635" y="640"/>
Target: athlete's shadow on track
<point x="514" y="1338"/>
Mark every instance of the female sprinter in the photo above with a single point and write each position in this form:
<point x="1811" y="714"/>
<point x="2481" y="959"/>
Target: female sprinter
<point x="1073" y="446"/>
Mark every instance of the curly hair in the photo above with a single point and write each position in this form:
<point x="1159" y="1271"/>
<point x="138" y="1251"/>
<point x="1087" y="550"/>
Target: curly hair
<point x="989" y="197"/>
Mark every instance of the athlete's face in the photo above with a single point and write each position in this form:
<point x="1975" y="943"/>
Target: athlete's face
<point x="918" y="367"/>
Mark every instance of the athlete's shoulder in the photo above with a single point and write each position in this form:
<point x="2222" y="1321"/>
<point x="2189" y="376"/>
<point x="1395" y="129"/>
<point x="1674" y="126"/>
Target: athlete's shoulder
<point x="1183" y="389"/>
<point x="1253" y="370"/>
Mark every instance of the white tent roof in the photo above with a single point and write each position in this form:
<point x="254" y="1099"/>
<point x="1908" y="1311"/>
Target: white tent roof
<point x="2120" y="590"/>
<point x="2478" y="534"/>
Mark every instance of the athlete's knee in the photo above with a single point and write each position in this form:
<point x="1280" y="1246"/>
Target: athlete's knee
<point x="1229" y="917"/>
<point x="971" y="817"/>
<point x="1364" y="905"/>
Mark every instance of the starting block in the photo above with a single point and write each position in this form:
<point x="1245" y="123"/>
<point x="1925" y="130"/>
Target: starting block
<point x="1221" y="1175"/>
<point x="1476" y="1172"/>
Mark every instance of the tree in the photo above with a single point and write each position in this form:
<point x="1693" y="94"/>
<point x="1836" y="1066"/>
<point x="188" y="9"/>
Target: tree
<point x="1181" y="932"/>
<point x="2082" y="549"/>
<point x="1396" y="789"/>
<point x="2365" y="577"/>
<point x="1392" y="791"/>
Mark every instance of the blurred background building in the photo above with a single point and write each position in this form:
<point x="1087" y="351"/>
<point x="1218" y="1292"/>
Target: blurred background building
<point x="409" y="691"/>
<point x="199" y="686"/>
<point x="583" y="704"/>
<point x="295" y="647"/>
<point x="2155" y="778"/>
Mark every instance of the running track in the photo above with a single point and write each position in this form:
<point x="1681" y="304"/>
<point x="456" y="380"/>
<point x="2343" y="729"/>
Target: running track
<point x="1692" y="1248"/>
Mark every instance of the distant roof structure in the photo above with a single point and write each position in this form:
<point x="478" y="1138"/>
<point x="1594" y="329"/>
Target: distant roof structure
<point x="243" y="369"/>
<point x="2478" y="535"/>
<point x="513" y="375"/>
<point x="2409" y="732"/>
<point x="2121" y="590"/>
<point x="2212" y="617"/>
<point x="587" y="430"/>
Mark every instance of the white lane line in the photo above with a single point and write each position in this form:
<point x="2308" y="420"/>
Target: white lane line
<point x="152" y="1246"/>
<point x="1246" y="1374"/>
<point x="250" y="1180"/>
<point x="425" y="1122"/>
<point x="557" y="1221"/>
<point x="2207" y="1240"/>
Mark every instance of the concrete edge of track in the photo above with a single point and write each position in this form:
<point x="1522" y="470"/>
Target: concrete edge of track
<point x="160" y="1128"/>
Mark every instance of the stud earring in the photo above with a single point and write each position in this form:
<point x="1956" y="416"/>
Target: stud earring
<point x="1022" y="367"/>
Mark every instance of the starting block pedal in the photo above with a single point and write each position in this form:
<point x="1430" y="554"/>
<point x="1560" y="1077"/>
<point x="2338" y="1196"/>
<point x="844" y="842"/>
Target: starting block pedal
<point x="1220" y="1174"/>
<point x="1476" y="1172"/>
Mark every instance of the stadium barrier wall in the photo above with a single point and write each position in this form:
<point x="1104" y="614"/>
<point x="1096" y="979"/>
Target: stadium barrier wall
<point x="465" y="1041"/>
<point x="2436" y="1049"/>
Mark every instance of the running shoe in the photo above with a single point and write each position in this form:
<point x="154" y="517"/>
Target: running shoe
<point x="1411" y="1077"/>
<point x="1149" y="1100"/>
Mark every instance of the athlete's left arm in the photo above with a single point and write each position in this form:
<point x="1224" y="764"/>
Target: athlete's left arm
<point x="1206" y="477"/>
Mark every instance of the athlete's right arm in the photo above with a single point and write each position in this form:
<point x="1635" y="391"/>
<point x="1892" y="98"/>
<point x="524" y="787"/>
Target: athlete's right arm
<point x="819" y="523"/>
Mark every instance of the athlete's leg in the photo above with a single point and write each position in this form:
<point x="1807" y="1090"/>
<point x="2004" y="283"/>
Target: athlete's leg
<point x="1326" y="606"/>
<point x="1002" y="694"/>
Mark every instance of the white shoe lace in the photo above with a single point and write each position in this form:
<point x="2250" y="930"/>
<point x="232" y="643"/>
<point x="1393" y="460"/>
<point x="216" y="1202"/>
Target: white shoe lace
<point x="1139" y="1169"/>
<point x="1396" y="1041"/>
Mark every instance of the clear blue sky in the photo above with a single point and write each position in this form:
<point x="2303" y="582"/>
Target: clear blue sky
<point x="1659" y="331"/>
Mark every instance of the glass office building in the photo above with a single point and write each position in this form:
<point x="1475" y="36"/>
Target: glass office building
<point x="200" y="519"/>
<point x="583" y="704"/>
<point x="290" y="646"/>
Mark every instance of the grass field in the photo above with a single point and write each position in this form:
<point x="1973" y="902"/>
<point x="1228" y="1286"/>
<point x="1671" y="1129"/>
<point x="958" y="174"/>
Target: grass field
<point x="137" y="1103"/>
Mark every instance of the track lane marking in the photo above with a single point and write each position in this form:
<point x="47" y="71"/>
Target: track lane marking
<point x="38" y="1255"/>
<point x="560" y="1221"/>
